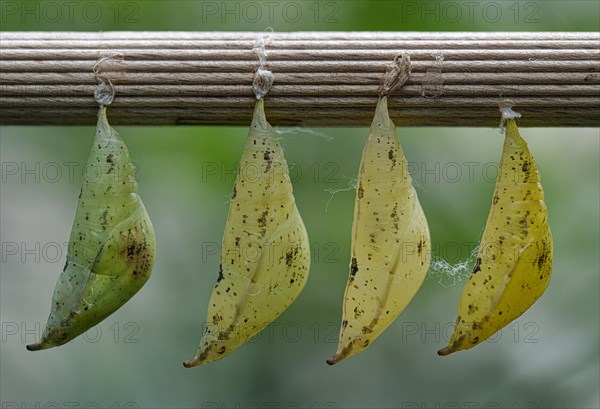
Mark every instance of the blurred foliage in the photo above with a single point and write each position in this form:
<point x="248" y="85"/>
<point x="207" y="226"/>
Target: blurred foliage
<point x="548" y="358"/>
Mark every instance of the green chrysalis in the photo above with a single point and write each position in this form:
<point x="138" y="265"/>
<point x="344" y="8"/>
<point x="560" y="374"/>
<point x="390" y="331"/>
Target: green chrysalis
<point x="112" y="245"/>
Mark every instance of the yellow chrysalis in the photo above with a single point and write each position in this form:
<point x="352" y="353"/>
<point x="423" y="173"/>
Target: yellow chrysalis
<point x="390" y="241"/>
<point x="112" y="245"/>
<point x="514" y="260"/>
<point x="265" y="251"/>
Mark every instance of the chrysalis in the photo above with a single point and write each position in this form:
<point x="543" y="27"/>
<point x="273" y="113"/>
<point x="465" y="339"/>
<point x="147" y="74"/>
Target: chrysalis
<point x="390" y="240"/>
<point x="514" y="260"/>
<point x="112" y="245"/>
<point x="265" y="251"/>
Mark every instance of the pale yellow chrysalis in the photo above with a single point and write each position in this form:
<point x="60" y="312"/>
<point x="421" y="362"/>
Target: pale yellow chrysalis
<point x="390" y="241"/>
<point x="112" y="245"/>
<point x="265" y="251"/>
<point x="514" y="260"/>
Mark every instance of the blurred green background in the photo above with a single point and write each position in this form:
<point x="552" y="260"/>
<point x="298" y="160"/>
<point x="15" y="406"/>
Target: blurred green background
<point x="549" y="357"/>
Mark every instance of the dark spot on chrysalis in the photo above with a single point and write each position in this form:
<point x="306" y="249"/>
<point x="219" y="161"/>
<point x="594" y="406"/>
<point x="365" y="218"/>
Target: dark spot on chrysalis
<point x="477" y="266"/>
<point x="523" y="221"/>
<point x="110" y="160"/>
<point x="394" y="214"/>
<point x="267" y="158"/>
<point x="544" y="255"/>
<point x="290" y="255"/>
<point x="130" y="251"/>
<point x="103" y="219"/>
<point x="420" y="247"/>
<point x="526" y="171"/>
<point x="472" y="309"/>
<point x="262" y="220"/>
<point x="353" y="267"/>
<point x="234" y="192"/>
<point x="220" y="277"/>
<point x="361" y="191"/>
<point x="392" y="157"/>
<point x="495" y="199"/>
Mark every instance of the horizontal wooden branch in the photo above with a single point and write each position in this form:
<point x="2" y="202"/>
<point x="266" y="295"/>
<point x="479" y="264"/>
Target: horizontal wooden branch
<point x="321" y="78"/>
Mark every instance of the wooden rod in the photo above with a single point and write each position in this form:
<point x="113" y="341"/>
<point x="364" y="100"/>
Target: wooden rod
<point x="321" y="78"/>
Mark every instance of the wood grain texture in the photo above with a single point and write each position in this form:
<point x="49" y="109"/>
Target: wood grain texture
<point x="321" y="78"/>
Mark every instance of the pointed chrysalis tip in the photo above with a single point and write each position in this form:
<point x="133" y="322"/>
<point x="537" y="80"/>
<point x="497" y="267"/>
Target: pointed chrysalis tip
<point x="444" y="351"/>
<point x="335" y="359"/>
<point x="35" y="347"/>
<point x="382" y="119"/>
<point x="196" y="361"/>
<point x="190" y="363"/>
